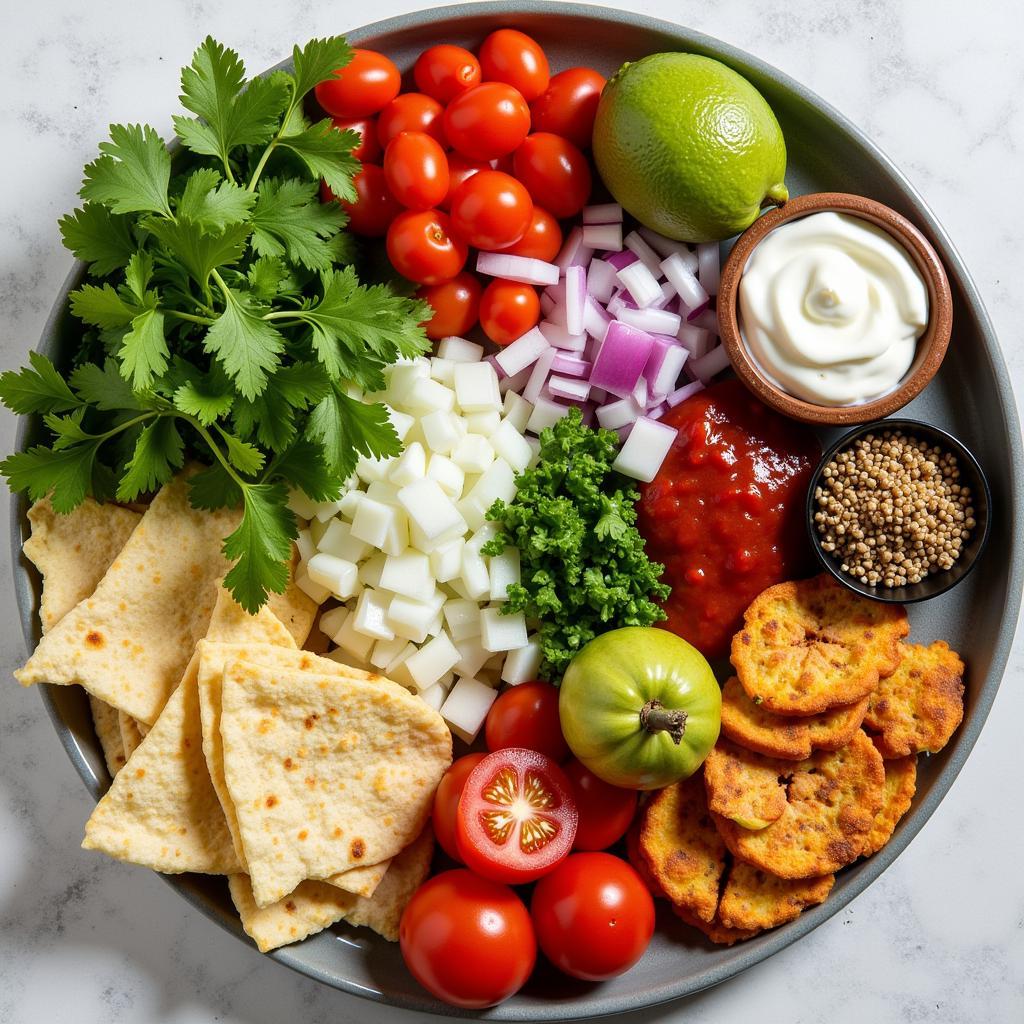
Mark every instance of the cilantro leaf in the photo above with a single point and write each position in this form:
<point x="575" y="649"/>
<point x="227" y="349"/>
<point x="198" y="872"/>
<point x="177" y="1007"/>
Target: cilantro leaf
<point x="105" y="388"/>
<point x="247" y="346"/>
<point x="102" y="307"/>
<point x="289" y="218"/>
<point x="315" y="62"/>
<point x="261" y="546"/>
<point x="137" y="276"/>
<point x="159" y="450"/>
<point x="265" y="277"/>
<point x="300" y="384"/>
<point x="195" y="398"/>
<point x="144" y="351"/>
<point x="213" y="203"/>
<point x="100" y="238"/>
<point x="270" y="423"/>
<point x="347" y="428"/>
<point x="132" y="173"/>
<point x="327" y="154"/>
<point x="200" y="251"/>
<point x="36" y="388"/>
<point x="68" y="429"/>
<point x="213" y="488"/>
<point x="303" y="466"/>
<point x="40" y="470"/>
<point x="245" y="457"/>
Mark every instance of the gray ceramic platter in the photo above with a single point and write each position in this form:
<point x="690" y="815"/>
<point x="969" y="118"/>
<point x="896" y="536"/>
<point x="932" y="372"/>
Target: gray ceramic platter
<point x="971" y="397"/>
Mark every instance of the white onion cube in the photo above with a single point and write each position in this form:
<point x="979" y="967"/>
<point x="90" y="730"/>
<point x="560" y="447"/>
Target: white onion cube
<point x="441" y="431"/>
<point x="430" y="508"/>
<point x="476" y="387"/>
<point x="522" y="664"/>
<point x="497" y="481"/>
<point x="337" y="540"/>
<point x="462" y="618"/>
<point x="475" y="578"/>
<point x="504" y="570"/>
<point x="483" y="423"/>
<point x="473" y="656"/>
<point x="302" y="506"/>
<point x="412" y="619"/>
<point x="458" y="350"/>
<point x="645" y="449"/>
<point x="332" y="620"/>
<point x="408" y="574"/>
<point x="354" y="643"/>
<point x="370" y="570"/>
<point x="442" y="370"/>
<point x="466" y="707"/>
<point x="427" y="396"/>
<point x="314" y="591"/>
<point x="446" y="560"/>
<point x="386" y="651"/>
<point x="369" y="470"/>
<point x="433" y="660"/>
<point x="371" y="615"/>
<point x="411" y="465"/>
<point x="338" y="575"/>
<point x="372" y="520"/>
<point x="434" y="696"/>
<point x="305" y="545"/>
<point x="509" y="444"/>
<point x="473" y="454"/>
<point x="502" y="632"/>
<point x="449" y="477"/>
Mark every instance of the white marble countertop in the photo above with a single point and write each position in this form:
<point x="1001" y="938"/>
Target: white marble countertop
<point x="939" y="938"/>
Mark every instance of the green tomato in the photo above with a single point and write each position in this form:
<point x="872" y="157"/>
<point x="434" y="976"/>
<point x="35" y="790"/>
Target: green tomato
<point x="640" y="707"/>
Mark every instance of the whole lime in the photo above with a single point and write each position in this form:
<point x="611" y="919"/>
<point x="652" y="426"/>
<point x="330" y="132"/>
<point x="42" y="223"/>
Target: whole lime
<point x="689" y="147"/>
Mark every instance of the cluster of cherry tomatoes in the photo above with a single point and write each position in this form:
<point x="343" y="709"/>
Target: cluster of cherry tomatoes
<point x="525" y="813"/>
<point x="488" y="153"/>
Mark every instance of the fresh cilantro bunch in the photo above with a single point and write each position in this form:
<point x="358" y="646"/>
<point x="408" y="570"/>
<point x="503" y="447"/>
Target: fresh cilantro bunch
<point x="584" y="568"/>
<point x="220" y="322"/>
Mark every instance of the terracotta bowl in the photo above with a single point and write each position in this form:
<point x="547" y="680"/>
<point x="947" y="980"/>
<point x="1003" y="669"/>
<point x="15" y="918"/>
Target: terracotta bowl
<point x="931" y="346"/>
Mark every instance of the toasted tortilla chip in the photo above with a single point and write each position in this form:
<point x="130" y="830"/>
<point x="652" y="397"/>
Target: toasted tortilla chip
<point x="833" y="798"/>
<point x="325" y="773"/>
<point x="131" y="734"/>
<point x="294" y="608"/>
<point x="72" y="552"/>
<point x="812" y="645"/>
<point x="129" y="643"/>
<point x="794" y="739"/>
<point x="900" y="786"/>
<point x="314" y="906"/>
<point x="744" y="786"/>
<point x="681" y="847"/>
<point x="918" y="708"/>
<point x="108" y="730"/>
<point x="362" y="880"/>
<point x="754" y="900"/>
<point x="162" y="811"/>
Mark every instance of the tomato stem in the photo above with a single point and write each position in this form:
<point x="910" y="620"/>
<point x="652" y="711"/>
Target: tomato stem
<point x="655" y="717"/>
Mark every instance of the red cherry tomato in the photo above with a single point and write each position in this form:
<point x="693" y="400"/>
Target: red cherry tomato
<point x="527" y="716"/>
<point x="555" y="172"/>
<point x="504" y="164"/>
<point x="487" y="121"/>
<point x="374" y="208"/>
<point x="444" y="71"/>
<point x="369" y="150"/>
<point x="516" y="818"/>
<point x="508" y="310"/>
<point x="467" y="940"/>
<point x="416" y="170"/>
<point x="422" y="248"/>
<point x="513" y="57"/>
<point x="594" y="916"/>
<point x="456" y="305"/>
<point x="606" y="811"/>
<point x="446" y="796"/>
<point x="411" y="112"/>
<point x="459" y="169"/>
<point x="491" y="210"/>
<point x="569" y="106"/>
<point x="543" y="238"/>
<point x="363" y="86"/>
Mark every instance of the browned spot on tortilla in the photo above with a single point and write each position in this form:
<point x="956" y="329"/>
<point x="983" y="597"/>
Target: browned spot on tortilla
<point x="289" y="906"/>
<point x="337" y="832"/>
<point x="140" y="773"/>
<point x="288" y="763"/>
<point x="303" y="835"/>
<point x="271" y="800"/>
<point x="94" y="639"/>
<point x="358" y="849"/>
<point x="311" y="720"/>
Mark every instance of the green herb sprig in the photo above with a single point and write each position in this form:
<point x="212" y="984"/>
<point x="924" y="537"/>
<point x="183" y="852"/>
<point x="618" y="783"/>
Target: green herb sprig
<point x="222" y="322"/>
<point x="584" y="569"/>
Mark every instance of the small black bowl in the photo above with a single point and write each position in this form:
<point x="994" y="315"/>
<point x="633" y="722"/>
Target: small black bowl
<point x="971" y="474"/>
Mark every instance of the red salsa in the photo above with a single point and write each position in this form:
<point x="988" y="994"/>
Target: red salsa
<point x="725" y="512"/>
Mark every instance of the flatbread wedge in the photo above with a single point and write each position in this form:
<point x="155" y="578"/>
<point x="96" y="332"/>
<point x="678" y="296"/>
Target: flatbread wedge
<point x="744" y="786"/>
<point x="129" y="643"/>
<point x="900" y="786"/>
<point x="809" y="646"/>
<point x="918" y="708"/>
<point x="106" y="721"/>
<point x="314" y="906"/>
<point x="294" y="608"/>
<point x="131" y="734"/>
<point x="325" y="773"/>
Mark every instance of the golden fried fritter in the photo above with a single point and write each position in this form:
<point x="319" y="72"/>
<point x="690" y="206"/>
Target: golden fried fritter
<point x="681" y="847"/>
<point x="812" y="645"/>
<point x="833" y="798"/>
<point x="900" y="786"/>
<point x="754" y="900"/>
<point x="714" y="929"/>
<point x="743" y="786"/>
<point x="920" y="705"/>
<point x="635" y="857"/>
<point x="754" y="727"/>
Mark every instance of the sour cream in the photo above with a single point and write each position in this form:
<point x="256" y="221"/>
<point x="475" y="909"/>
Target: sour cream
<point x="831" y="308"/>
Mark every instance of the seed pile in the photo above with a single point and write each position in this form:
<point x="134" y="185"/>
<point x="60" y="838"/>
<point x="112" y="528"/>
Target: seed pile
<point x="893" y="510"/>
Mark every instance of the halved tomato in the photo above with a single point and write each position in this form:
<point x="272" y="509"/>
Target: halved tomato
<point x="517" y="818"/>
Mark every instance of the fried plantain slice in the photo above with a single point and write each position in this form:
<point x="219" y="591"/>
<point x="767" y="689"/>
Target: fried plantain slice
<point x="681" y="847"/>
<point x="900" y="786"/>
<point x="833" y="798"/>
<point x="743" y="786"/>
<point x="793" y="739"/>
<point x="811" y="645"/>
<point x="754" y="900"/>
<point x="714" y="929"/>
<point x="919" y="706"/>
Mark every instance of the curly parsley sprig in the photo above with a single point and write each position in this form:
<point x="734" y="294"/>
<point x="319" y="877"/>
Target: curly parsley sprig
<point x="221" y="321"/>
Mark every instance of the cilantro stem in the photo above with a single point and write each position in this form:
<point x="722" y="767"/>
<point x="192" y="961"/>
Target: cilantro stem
<point x="273" y="143"/>
<point x="208" y="438"/>
<point x="188" y="316"/>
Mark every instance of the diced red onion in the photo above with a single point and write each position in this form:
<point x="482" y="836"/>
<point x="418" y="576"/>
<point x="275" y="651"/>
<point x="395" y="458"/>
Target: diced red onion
<point x="617" y="414"/>
<point x="556" y="314"/>
<point x="496" y="366"/>
<point x="668" y="295"/>
<point x="546" y="304"/>
<point x="667" y="246"/>
<point x="708" y="266"/>
<point x="696" y="340"/>
<point x="523" y="352"/>
<point x="588" y="414"/>
<point x="639" y="395"/>
<point x="655" y="321"/>
<point x="664" y="380"/>
<point x="645" y="449"/>
<point x="516" y="383"/>
<point x="683" y="393"/>
<point x="517" y="268"/>
<point x="603" y="236"/>
<point x="621" y="359"/>
<point x="624" y="432"/>
<point x="708" y="319"/>
<point x="661" y="345"/>
<point x="558" y="336"/>
<point x="710" y="364"/>
<point x="601" y="279"/>
<point x="570" y="366"/>
<point x="621" y="259"/>
<point x="539" y="375"/>
<point x="575" y="252"/>
<point x="642" y="284"/>
<point x="569" y="387"/>
<point x="691" y="294"/>
<point x="598" y="396"/>
<point x="575" y="298"/>
<point x="602" y="213"/>
<point x="657" y="412"/>
<point x="647" y="256"/>
<point x="557" y="293"/>
<point x="595" y="319"/>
